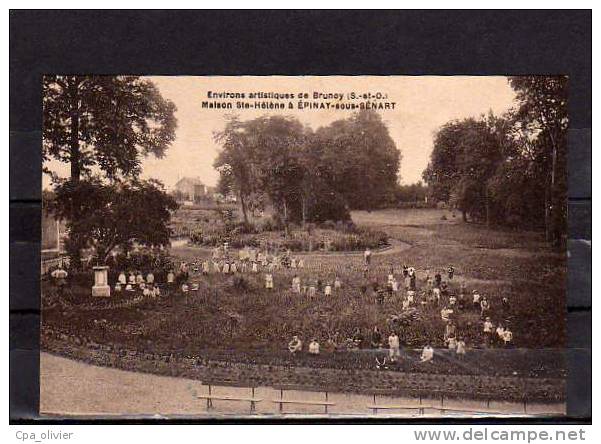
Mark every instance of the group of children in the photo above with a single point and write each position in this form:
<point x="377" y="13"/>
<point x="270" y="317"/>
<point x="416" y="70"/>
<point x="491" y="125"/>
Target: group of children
<point x="137" y="281"/>
<point x="249" y="259"/>
<point x="436" y="293"/>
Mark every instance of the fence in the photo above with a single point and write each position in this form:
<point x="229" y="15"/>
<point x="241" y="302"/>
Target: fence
<point x="50" y="264"/>
<point x="438" y="405"/>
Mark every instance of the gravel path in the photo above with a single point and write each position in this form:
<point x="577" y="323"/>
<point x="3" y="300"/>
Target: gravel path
<point x="75" y="388"/>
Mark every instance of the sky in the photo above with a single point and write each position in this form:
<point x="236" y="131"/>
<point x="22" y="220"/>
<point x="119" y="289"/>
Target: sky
<point x="422" y="105"/>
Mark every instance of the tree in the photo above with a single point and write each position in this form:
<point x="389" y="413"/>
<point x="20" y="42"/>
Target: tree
<point x="466" y="154"/>
<point x="108" y="122"/>
<point x="237" y="164"/>
<point x="309" y="176"/>
<point x="117" y="215"/>
<point x="543" y="112"/>
<point x="102" y="125"/>
<point x="360" y="160"/>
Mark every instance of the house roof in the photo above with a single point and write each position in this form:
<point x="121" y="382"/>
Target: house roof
<point x="187" y="181"/>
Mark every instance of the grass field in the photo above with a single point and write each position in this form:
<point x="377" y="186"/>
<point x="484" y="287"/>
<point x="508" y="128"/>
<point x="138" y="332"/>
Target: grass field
<point x="237" y="319"/>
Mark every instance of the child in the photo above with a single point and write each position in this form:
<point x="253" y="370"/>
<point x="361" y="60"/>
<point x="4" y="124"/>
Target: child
<point x="295" y="345"/>
<point x="450" y="330"/>
<point x="436" y="295"/>
<point x="296" y="284"/>
<point x="376" y="338"/>
<point x="452" y="343"/>
<point x="255" y="267"/>
<point x="460" y="350"/>
<point x="437" y="279"/>
<point x="390" y="276"/>
<point x="487" y="329"/>
<point x="411" y="297"/>
<point x="476" y="298"/>
<point x="450" y="272"/>
<point x="122" y="279"/>
<point x="301" y="263"/>
<point x="507" y="337"/>
<point x="380" y="296"/>
<point x="118" y="287"/>
<point x="337" y="283"/>
<point x="394" y="351"/>
<point x="484" y="307"/>
<point x="446" y="313"/>
<point x="367" y="256"/>
<point x="501" y="333"/>
<point x="314" y="347"/>
<point x="205" y="267"/>
<point x="269" y="281"/>
<point x="427" y="354"/>
<point x="328" y="290"/>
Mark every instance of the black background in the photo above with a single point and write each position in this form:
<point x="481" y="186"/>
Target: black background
<point x="287" y="43"/>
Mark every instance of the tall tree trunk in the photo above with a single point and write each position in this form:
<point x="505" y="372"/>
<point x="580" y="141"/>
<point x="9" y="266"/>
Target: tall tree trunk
<point x="244" y="208"/>
<point x="547" y="215"/>
<point x="487" y="203"/>
<point x="77" y="240"/>
<point x="75" y="153"/>
<point x="304" y="209"/>
<point x="285" y="218"/>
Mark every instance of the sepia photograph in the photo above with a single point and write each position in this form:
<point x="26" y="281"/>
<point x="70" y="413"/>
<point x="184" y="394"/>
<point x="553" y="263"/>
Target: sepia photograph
<point x="304" y="246"/>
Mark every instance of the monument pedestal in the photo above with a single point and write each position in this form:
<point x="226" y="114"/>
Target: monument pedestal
<point x="101" y="287"/>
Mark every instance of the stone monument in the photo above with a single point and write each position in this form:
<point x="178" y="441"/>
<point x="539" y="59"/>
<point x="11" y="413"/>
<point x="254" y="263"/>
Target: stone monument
<point x="101" y="287"/>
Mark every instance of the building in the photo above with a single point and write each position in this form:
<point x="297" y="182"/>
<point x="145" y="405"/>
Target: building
<point x="53" y="233"/>
<point x="191" y="189"/>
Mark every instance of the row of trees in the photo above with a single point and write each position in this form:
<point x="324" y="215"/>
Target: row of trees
<point x="102" y="127"/>
<point x="308" y="176"/>
<point x="509" y="170"/>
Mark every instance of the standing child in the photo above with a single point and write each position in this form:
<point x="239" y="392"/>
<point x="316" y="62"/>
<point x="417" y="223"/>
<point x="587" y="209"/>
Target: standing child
<point x="367" y="256"/>
<point x="460" y="350"/>
<point x="337" y="283"/>
<point x="296" y="284"/>
<point x="269" y="281"/>
<point x="394" y="344"/>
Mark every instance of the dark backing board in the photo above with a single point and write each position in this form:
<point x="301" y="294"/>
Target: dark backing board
<point x="287" y="43"/>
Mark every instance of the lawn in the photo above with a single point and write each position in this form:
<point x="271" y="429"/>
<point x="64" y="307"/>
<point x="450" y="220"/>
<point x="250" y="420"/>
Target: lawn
<point x="235" y="318"/>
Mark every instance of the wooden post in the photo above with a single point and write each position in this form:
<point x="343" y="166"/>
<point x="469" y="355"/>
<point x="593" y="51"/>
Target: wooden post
<point x="281" y="397"/>
<point x="209" y="400"/>
<point x="252" y="403"/>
